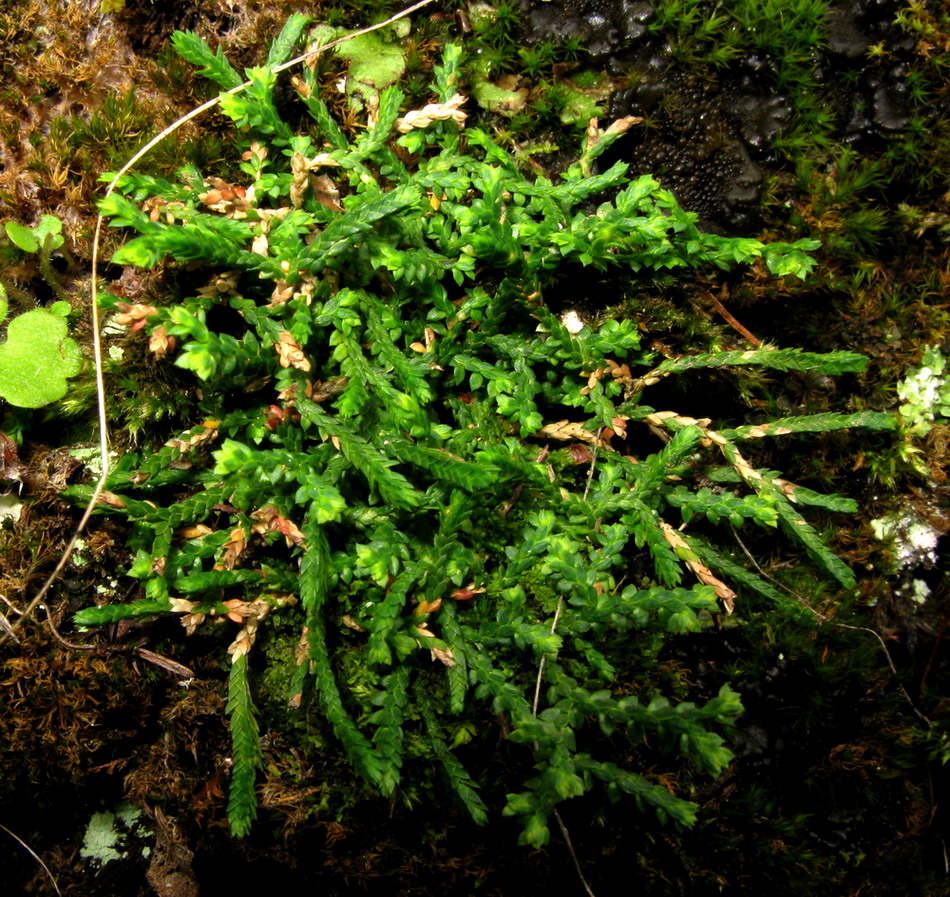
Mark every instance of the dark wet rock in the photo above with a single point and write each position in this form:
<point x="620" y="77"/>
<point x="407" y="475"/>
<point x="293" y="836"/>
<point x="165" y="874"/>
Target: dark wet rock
<point x="872" y="108"/>
<point x="869" y="101"/>
<point x="701" y="143"/>
<point x="758" y="118"/>
<point x="710" y="142"/>
<point x="845" y="35"/>
<point x="890" y="109"/>
<point x="607" y="27"/>
<point x="852" y="28"/>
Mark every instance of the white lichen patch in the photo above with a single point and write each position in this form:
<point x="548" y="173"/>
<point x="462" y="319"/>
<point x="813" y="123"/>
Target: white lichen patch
<point x="918" y="591"/>
<point x="78" y="559"/>
<point x="104" y="833"/>
<point x="90" y="457"/>
<point x="572" y="322"/>
<point x="925" y="393"/>
<point x="915" y="540"/>
<point x="10" y="507"/>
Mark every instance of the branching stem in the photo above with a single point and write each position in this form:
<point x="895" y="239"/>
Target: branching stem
<point x="94" y="302"/>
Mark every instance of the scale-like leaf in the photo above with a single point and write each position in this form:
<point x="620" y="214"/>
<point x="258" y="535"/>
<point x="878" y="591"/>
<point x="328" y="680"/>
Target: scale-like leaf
<point x="841" y="362"/>
<point x="213" y="64"/>
<point x="245" y="749"/>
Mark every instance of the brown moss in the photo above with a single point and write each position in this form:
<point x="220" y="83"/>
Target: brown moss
<point x="66" y="713"/>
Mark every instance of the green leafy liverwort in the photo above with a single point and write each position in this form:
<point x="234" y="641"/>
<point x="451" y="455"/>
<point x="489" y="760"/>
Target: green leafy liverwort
<point x="386" y="480"/>
<point x="925" y="394"/>
<point x="38" y="356"/>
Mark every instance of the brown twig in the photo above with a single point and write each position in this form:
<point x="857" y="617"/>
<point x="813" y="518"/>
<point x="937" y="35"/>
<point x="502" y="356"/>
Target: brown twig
<point x="570" y="849"/>
<point x="825" y="619"/>
<point x="66" y="643"/>
<point x="731" y="318"/>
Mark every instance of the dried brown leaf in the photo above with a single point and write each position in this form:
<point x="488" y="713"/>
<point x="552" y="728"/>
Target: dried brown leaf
<point x="269" y="519"/>
<point x="622" y="125"/>
<point x="165" y="663"/>
<point x="566" y="430"/>
<point x="290" y="353"/>
<point x="326" y="193"/>
<point x="11" y="467"/>
<point x="281" y="293"/>
<point x="192" y="621"/>
<point x="444" y="655"/>
<point x="133" y="314"/>
<point x="698" y="568"/>
<point x="422" y="118"/>
<point x="230" y="199"/>
<point x="351" y="623"/>
<point x="466" y="594"/>
<point x="327" y="389"/>
<point x="160" y="343"/>
<point x="251" y="613"/>
<point x="111" y="499"/>
<point x="427" y="607"/>
<point x="195" y="531"/>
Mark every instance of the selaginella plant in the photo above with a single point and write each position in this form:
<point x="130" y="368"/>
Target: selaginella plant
<point x="403" y="447"/>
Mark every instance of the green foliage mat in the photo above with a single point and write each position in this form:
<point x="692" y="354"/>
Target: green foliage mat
<point x="376" y="458"/>
<point x="38" y="356"/>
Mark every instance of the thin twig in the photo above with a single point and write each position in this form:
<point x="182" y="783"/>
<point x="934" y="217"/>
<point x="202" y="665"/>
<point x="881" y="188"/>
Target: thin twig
<point x="64" y="642"/>
<point x="780" y="585"/>
<point x="5" y="626"/>
<point x="825" y="619"/>
<point x="94" y="299"/>
<point x="35" y="856"/>
<point x="541" y="664"/>
<point x="537" y="694"/>
<point x="560" y="600"/>
<point x="732" y="319"/>
<point x="593" y="464"/>
<point x="570" y="849"/>
<point x="890" y="663"/>
<point x="534" y="712"/>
